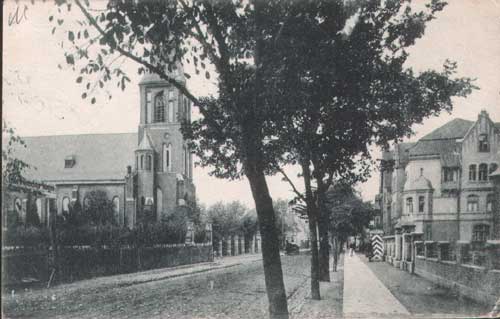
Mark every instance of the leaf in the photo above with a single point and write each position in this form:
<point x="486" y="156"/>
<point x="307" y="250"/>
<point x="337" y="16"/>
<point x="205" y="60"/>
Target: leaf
<point x="85" y="34"/>
<point x="207" y="75"/>
<point x="84" y="95"/>
<point x="79" y="79"/>
<point x="92" y="101"/>
<point x="70" y="59"/>
<point x="51" y="18"/>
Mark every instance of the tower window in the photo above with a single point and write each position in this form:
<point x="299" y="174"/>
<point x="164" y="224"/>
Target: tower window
<point x="142" y="161"/>
<point x="483" y="143"/>
<point x="421" y="204"/>
<point x="472" y="172"/>
<point x="472" y="203"/>
<point x="166" y="157"/>
<point x="159" y="115"/>
<point x="409" y="205"/>
<point x="149" y="162"/>
<point x="171" y="111"/>
<point x="483" y="172"/>
<point x="148" y="106"/>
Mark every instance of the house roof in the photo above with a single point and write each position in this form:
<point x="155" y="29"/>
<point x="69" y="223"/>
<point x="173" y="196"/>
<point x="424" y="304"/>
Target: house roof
<point x="433" y="147"/>
<point x="454" y="129"/>
<point x="421" y="183"/>
<point x="96" y="157"/>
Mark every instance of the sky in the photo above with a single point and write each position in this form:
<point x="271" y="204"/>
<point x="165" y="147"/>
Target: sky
<point x="41" y="99"/>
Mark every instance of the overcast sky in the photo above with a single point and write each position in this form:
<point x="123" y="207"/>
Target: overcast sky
<point x="41" y="99"/>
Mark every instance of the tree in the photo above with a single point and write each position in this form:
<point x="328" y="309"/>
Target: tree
<point x="98" y="208"/>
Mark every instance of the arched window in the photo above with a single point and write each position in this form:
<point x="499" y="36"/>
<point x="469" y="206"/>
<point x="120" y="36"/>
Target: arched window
<point x="166" y="157"/>
<point x="186" y="109"/>
<point x="483" y="143"/>
<point x="409" y="205"/>
<point x="472" y="203"/>
<point x="186" y="160"/>
<point x="137" y="162"/>
<point x="480" y="232"/>
<point x="159" y="115"/>
<point x="149" y="162"/>
<point x="38" y="203"/>
<point x="491" y="203"/>
<point x="493" y="167"/>
<point x="171" y="109"/>
<point x="142" y="162"/>
<point x="65" y="205"/>
<point x="483" y="172"/>
<point x="159" y="202"/>
<point x="472" y="172"/>
<point x="116" y="207"/>
<point x="148" y="106"/>
<point x="18" y="206"/>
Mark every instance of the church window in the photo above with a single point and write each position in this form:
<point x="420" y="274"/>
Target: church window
<point x="490" y="203"/>
<point x="142" y="161"/>
<point x="38" y="203"/>
<point x="480" y="233"/>
<point x="483" y="143"/>
<point x="421" y="204"/>
<point x="159" y="202"/>
<point x="493" y="167"/>
<point x="186" y="161"/>
<point x="149" y="161"/>
<point x="166" y="157"/>
<point x="409" y="205"/>
<point x="472" y="203"/>
<point x="148" y="106"/>
<point x="472" y="172"/>
<point x="171" y="111"/>
<point x="116" y="207"/>
<point x="483" y="172"/>
<point x="65" y="205"/>
<point x="159" y="108"/>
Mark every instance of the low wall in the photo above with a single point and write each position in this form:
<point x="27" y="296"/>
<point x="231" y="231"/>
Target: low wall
<point x="474" y="282"/>
<point x="23" y="266"/>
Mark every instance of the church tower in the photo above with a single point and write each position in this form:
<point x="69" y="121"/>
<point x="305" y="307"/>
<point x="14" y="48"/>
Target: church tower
<point x="163" y="160"/>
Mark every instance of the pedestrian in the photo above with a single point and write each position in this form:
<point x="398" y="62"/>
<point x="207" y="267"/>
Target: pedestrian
<point x="352" y="246"/>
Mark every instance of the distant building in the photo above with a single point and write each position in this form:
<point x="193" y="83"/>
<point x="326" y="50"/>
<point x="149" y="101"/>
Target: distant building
<point x="445" y="186"/>
<point x="148" y="172"/>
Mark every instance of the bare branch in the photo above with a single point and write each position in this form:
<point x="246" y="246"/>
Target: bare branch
<point x="295" y="190"/>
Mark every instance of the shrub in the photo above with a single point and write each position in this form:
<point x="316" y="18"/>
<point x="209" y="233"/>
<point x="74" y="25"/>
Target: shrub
<point x="26" y="236"/>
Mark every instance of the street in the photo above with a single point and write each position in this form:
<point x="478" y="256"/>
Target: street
<point x="234" y="292"/>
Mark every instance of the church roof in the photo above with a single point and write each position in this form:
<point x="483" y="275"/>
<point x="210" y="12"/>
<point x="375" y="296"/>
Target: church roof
<point x="155" y="78"/>
<point x="96" y="157"/>
<point x="454" y="129"/>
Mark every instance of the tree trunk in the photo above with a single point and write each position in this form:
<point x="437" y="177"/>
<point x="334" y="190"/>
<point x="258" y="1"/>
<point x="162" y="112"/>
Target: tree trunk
<point x="324" y="245"/>
<point x="312" y="213"/>
<point x="273" y="273"/>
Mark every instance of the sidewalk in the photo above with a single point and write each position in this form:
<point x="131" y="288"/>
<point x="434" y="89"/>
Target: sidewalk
<point x="365" y="295"/>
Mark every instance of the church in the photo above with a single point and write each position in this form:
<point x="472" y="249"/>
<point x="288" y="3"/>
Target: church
<point x="145" y="173"/>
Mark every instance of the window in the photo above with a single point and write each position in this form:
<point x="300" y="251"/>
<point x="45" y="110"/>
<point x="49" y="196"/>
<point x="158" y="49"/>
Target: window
<point x="472" y="172"/>
<point x="159" y="108"/>
<point x="421" y="204"/>
<point x="480" y="233"/>
<point x="159" y="202"/>
<point x="18" y="206"/>
<point x="38" y="203"/>
<point x="472" y="203"/>
<point x="428" y="232"/>
<point x="409" y="205"/>
<point x="483" y="143"/>
<point x="166" y="157"/>
<point x="171" y="111"/>
<point x="142" y="161"/>
<point x="116" y="207"/>
<point x="490" y="203"/>
<point x="69" y="162"/>
<point x="186" y="109"/>
<point x="65" y="205"/>
<point x="148" y="106"/>
<point x="149" y="162"/>
<point x="186" y="161"/>
<point x="493" y="167"/>
<point x="448" y="174"/>
<point x="136" y="162"/>
<point x="483" y="172"/>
